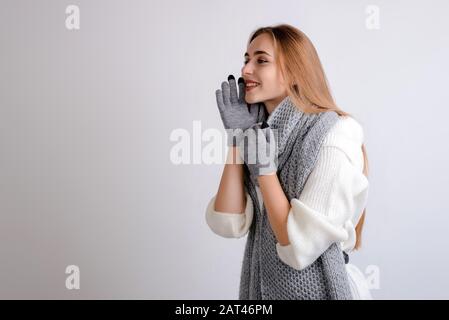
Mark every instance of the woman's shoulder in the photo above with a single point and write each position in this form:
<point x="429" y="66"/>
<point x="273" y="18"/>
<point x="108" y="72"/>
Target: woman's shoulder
<point x="347" y="135"/>
<point x="345" y="127"/>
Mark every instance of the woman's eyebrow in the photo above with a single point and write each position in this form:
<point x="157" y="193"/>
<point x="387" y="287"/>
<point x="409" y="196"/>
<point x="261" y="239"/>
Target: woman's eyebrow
<point x="257" y="52"/>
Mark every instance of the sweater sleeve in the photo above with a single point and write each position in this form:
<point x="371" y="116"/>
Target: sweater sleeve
<point x="230" y="225"/>
<point x="332" y="200"/>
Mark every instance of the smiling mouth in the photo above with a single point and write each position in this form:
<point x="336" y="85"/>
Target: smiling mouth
<point x="251" y="86"/>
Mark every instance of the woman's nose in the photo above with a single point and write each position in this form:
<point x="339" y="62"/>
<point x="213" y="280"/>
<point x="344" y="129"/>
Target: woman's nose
<point x="247" y="69"/>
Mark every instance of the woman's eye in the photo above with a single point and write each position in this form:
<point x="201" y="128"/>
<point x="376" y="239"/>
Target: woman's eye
<point x="259" y="61"/>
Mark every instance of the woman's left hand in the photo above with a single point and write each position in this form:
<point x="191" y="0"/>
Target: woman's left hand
<point x="258" y="149"/>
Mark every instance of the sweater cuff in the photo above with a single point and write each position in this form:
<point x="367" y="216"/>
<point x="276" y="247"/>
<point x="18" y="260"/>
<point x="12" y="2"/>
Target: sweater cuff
<point x="310" y="235"/>
<point x="230" y="225"/>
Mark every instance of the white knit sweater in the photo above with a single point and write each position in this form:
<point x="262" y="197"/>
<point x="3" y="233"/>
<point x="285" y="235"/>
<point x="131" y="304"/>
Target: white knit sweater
<point x="327" y="210"/>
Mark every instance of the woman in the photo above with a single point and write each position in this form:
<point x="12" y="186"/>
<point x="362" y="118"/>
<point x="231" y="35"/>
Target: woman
<point x="302" y="206"/>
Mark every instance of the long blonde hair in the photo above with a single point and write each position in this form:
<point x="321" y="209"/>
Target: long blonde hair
<point x="308" y="87"/>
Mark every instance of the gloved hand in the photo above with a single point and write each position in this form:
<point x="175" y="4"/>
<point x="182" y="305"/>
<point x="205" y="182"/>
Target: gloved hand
<point x="234" y="111"/>
<point x="258" y="149"/>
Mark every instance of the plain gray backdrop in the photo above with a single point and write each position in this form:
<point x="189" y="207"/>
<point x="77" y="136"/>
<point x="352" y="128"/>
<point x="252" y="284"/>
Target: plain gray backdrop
<point x="85" y="120"/>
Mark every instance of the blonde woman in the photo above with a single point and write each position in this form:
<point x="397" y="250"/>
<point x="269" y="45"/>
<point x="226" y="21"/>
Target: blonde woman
<point x="303" y="208"/>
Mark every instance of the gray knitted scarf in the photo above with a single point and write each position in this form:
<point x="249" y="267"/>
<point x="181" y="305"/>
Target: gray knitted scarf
<point x="263" y="274"/>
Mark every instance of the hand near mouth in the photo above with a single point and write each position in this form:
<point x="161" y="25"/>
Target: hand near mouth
<point x="234" y="111"/>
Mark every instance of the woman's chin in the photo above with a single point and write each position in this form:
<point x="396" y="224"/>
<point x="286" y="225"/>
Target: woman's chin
<point x="251" y="100"/>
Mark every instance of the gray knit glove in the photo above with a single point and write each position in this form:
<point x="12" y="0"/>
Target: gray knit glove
<point x="236" y="114"/>
<point x="258" y="149"/>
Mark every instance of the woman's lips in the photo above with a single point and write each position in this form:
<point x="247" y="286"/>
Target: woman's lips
<point x="249" y="88"/>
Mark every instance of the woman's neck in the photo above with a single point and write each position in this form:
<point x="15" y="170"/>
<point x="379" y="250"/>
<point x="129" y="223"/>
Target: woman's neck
<point x="271" y="104"/>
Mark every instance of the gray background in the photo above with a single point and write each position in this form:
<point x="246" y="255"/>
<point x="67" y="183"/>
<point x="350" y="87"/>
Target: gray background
<point x="85" y="120"/>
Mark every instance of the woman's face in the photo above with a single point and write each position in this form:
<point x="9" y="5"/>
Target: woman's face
<point x="260" y="66"/>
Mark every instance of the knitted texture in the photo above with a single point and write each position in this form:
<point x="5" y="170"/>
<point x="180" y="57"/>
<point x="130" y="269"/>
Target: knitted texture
<point x="263" y="274"/>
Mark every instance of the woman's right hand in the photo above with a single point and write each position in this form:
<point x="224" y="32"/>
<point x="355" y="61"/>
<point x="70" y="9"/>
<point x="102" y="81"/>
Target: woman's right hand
<point x="234" y="111"/>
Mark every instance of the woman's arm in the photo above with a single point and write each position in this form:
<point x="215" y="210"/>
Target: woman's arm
<point x="231" y="193"/>
<point x="277" y="206"/>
